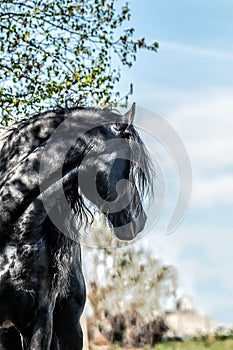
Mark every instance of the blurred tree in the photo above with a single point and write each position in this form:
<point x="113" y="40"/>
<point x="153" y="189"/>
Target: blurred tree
<point x="52" y="51"/>
<point x="131" y="278"/>
<point x="126" y="282"/>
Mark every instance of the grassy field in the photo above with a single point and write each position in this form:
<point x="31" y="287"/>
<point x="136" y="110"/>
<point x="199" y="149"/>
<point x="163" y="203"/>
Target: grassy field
<point x="194" y="345"/>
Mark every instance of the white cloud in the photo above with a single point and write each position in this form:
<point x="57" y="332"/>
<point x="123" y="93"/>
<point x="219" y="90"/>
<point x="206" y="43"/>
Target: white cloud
<point x="195" y="50"/>
<point x="211" y="192"/>
<point x="206" y="127"/>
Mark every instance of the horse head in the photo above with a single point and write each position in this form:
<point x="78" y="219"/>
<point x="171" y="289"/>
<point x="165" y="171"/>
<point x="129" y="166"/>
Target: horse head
<point x="116" y="174"/>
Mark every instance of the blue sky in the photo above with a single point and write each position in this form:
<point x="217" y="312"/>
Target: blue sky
<point x="190" y="82"/>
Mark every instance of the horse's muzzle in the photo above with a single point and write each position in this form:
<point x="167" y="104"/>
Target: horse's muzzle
<point x="128" y="230"/>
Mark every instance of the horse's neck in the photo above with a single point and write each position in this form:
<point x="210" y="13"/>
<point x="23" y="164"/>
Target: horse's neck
<point x="20" y="157"/>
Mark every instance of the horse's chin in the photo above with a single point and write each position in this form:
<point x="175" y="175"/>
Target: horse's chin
<point x="128" y="231"/>
<point x="125" y="233"/>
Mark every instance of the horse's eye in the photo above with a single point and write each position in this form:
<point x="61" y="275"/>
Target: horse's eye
<point x="120" y="128"/>
<point x="117" y="127"/>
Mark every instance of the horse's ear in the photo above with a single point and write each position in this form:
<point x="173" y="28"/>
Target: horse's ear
<point x="128" y="117"/>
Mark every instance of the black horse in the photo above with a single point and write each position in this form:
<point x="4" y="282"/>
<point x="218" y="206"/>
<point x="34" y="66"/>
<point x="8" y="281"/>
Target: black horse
<point x="52" y="165"/>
